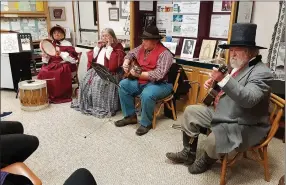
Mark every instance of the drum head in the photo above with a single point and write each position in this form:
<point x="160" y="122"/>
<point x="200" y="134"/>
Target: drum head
<point x="48" y="47"/>
<point x="32" y="84"/>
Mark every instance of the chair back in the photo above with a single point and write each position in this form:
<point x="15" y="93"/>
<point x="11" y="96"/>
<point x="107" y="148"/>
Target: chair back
<point x="277" y="105"/>
<point x="174" y="75"/>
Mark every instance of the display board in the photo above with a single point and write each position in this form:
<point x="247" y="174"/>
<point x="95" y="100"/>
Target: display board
<point x="193" y="22"/>
<point x="26" y="17"/>
<point x="36" y="26"/>
<point x="22" y="6"/>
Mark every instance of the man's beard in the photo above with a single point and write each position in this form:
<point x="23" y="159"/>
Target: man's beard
<point x="236" y="63"/>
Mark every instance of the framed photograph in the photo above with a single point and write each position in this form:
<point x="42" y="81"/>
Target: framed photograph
<point x="188" y="48"/>
<point x="124" y="9"/>
<point x="57" y="13"/>
<point x="244" y="13"/>
<point x="113" y="14"/>
<point x="207" y="49"/>
<point x="219" y="52"/>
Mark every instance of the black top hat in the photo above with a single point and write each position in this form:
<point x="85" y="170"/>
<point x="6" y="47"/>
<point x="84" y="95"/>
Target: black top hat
<point x="57" y="27"/>
<point x="151" y="32"/>
<point x="243" y="35"/>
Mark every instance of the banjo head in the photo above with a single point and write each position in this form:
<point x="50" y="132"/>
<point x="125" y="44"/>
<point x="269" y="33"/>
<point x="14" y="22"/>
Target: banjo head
<point x="47" y="47"/>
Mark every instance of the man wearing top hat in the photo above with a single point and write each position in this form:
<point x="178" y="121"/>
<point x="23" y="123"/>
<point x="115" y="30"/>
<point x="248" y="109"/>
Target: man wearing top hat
<point x="238" y="118"/>
<point x="151" y="84"/>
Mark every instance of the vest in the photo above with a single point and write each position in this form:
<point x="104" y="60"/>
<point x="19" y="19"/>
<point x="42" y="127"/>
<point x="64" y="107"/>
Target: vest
<point x="149" y="63"/>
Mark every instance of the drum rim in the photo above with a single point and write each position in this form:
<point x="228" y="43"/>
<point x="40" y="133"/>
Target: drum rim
<point x="41" y="46"/>
<point x="43" y="84"/>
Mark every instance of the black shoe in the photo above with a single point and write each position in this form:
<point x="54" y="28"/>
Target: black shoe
<point x="126" y="121"/>
<point x="188" y="154"/>
<point x="183" y="156"/>
<point x="143" y="130"/>
<point x="202" y="164"/>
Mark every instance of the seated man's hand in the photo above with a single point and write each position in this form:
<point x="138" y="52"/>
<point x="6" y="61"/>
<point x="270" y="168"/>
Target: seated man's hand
<point x="126" y="65"/>
<point x="216" y="75"/>
<point x="133" y="72"/>
<point x="208" y="83"/>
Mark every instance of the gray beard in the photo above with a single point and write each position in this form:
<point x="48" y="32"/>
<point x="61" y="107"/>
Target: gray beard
<point x="236" y="63"/>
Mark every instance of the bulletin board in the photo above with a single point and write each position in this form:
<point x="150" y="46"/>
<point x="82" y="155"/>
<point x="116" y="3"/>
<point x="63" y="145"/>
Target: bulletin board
<point x="195" y="21"/>
<point x="36" y="26"/>
<point x="26" y="17"/>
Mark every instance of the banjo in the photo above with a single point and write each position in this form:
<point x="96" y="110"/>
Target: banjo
<point x="48" y="48"/>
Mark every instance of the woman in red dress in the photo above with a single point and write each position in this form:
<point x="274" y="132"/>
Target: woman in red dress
<point x="58" y="69"/>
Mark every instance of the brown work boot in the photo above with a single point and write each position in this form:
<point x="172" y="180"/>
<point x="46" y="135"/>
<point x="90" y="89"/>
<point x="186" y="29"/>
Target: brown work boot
<point x="188" y="154"/>
<point x="129" y="120"/>
<point x="202" y="164"/>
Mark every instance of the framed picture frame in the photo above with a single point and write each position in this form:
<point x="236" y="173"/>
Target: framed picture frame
<point x="207" y="49"/>
<point x="244" y="13"/>
<point x="124" y="9"/>
<point x="113" y="14"/>
<point x="188" y="48"/>
<point x="57" y="13"/>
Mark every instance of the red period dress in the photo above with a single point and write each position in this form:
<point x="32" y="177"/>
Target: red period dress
<point x="60" y="89"/>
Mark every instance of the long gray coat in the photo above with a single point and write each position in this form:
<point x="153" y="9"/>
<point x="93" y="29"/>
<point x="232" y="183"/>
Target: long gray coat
<point x="241" y="116"/>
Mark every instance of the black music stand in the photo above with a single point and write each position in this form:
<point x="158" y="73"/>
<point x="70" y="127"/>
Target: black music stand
<point x="104" y="74"/>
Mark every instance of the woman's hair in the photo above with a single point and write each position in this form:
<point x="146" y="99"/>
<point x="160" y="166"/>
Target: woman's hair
<point x="111" y="32"/>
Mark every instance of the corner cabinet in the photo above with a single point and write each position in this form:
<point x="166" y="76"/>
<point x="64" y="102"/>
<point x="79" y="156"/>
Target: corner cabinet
<point x="197" y="74"/>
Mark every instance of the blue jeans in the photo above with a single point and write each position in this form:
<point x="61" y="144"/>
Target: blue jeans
<point x="149" y="94"/>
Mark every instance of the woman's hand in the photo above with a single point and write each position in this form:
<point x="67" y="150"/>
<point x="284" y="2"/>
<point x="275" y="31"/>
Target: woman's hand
<point x="109" y="41"/>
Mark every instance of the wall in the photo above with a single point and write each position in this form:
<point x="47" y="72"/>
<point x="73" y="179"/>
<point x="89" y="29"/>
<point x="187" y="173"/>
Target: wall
<point x="265" y="20"/>
<point x="104" y="22"/>
<point x="69" y="14"/>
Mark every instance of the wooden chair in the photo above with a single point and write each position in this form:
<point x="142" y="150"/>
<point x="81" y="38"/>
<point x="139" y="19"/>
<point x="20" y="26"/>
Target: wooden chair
<point x="259" y="152"/>
<point x="168" y="101"/>
<point x="21" y="169"/>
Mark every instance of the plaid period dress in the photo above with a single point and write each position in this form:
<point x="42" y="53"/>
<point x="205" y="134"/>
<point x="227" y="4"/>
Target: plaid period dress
<point x="97" y="97"/>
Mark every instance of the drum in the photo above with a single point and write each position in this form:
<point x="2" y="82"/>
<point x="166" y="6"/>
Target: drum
<point x="33" y="95"/>
<point x="47" y="47"/>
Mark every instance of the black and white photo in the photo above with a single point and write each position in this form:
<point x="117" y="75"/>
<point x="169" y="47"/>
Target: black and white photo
<point x="188" y="48"/>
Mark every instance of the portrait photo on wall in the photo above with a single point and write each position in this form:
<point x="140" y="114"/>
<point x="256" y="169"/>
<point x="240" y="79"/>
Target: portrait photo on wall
<point x="188" y="48"/>
<point x="207" y="49"/>
<point x="226" y="6"/>
<point x="57" y="13"/>
<point x="149" y="21"/>
<point x="219" y="52"/>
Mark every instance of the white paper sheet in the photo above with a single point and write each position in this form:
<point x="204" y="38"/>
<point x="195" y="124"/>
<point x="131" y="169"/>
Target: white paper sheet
<point x="15" y="25"/>
<point x="244" y="12"/>
<point x="26" y="44"/>
<point x="189" y="30"/>
<point x="9" y="43"/>
<point x="190" y="7"/>
<point x="164" y="22"/>
<point x="219" y="26"/>
<point x="146" y="5"/>
<point x="171" y="46"/>
<point x="5" y="25"/>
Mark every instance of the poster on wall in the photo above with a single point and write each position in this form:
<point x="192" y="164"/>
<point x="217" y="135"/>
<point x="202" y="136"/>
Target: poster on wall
<point x="186" y="7"/>
<point x="188" y="48"/>
<point x="219" y="26"/>
<point x="164" y="18"/>
<point x="222" y="6"/>
<point x="185" y="25"/>
<point x="9" y="43"/>
<point x="244" y="12"/>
